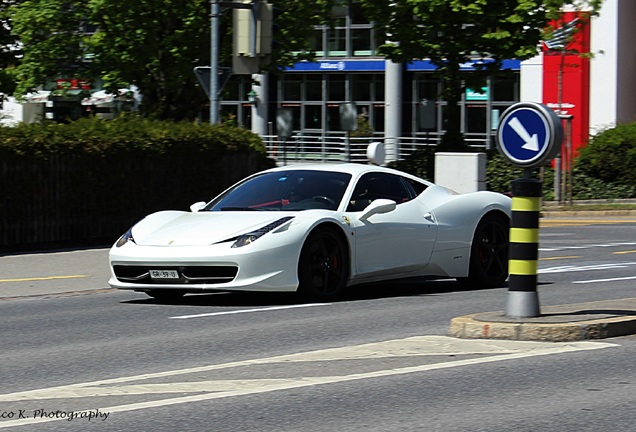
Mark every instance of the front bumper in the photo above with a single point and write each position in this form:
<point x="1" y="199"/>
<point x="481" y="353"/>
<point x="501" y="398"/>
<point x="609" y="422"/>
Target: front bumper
<point x="205" y="268"/>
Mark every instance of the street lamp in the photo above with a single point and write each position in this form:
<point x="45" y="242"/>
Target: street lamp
<point x="251" y="97"/>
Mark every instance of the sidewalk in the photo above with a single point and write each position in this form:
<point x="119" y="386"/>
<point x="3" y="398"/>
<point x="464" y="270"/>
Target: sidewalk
<point x="563" y="323"/>
<point x="54" y="273"/>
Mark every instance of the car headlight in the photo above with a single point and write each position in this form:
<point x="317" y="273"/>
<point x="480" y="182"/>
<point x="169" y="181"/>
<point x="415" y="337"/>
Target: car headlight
<point x="245" y="239"/>
<point x="127" y="237"/>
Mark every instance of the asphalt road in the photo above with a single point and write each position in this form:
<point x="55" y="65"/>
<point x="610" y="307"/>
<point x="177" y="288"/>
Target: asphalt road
<point x="379" y="360"/>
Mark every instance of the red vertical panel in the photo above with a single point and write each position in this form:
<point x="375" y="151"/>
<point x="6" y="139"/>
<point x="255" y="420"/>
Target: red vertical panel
<point x="573" y="94"/>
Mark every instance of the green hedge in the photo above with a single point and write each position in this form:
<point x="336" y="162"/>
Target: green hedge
<point x="610" y="156"/>
<point x="87" y="181"/>
<point x="125" y="134"/>
<point x="500" y="173"/>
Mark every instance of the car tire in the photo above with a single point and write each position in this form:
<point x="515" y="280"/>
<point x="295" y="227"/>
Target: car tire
<point x="488" y="266"/>
<point x="166" y="294"/>
<point x="323" y="266"/>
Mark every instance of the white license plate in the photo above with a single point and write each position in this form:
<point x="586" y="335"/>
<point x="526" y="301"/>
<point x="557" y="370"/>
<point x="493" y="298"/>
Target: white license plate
<point x="164" y="274"/>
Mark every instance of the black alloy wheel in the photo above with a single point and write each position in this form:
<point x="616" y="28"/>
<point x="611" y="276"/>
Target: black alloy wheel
<point x="489" y="254"/>
<point x="323" y="267"/>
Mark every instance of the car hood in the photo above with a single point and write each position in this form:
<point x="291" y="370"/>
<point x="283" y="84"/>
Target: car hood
<point x="176" y="228"/>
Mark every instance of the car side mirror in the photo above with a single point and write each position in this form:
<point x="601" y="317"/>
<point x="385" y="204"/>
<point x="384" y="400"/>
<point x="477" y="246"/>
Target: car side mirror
<point x="197" y="206"/>
<point x="378" y="206"/>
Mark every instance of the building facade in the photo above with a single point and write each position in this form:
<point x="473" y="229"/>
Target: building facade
<point x="594" y="87"/>
<point x="398" y="103"/>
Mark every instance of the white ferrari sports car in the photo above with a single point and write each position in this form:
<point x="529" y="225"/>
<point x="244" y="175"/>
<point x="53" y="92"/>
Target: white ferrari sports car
<point x="317" y="229"/>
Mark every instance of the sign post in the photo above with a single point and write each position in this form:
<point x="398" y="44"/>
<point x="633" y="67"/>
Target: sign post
<point x="284" y="126"/>
<point x="529" y="135"/>
<point x="348" y="122"/>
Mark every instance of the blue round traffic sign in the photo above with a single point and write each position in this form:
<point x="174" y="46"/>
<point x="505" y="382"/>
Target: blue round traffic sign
<point x="529" y="134"/>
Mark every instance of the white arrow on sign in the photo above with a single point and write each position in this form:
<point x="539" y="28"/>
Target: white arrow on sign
<point x="531" y="142"/>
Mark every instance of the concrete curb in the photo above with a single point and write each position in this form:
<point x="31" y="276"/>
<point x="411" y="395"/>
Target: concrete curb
<point x="468" y="327"/>
<point x="561" y="323"/>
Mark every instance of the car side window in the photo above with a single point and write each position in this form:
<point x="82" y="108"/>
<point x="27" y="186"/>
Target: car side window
<point x="372" y="186"/>
<point x="416" y="187"/>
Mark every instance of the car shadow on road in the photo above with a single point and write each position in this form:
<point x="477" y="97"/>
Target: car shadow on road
<point x="373" y="291"/>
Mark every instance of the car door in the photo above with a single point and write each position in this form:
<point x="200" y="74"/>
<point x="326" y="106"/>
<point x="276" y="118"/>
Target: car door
<point x="397" y="242"/>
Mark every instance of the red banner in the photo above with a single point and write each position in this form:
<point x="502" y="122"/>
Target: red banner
<point x="566" y="74"/>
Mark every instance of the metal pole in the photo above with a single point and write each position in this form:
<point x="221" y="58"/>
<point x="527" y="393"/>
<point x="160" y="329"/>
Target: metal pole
<point x="214" y="61"/>
<point x="557" y="179"/>
<point x="571" y="157"/>
<point x="523" y="299"/>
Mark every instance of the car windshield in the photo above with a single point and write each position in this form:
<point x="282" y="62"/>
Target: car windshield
<point x="292" y="190"/>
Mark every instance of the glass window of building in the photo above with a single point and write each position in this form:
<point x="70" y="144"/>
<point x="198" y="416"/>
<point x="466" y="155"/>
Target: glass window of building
<point x="505" y="88"/>
<point x="316" y="42"/>
<point x="313" y="117"/>
<point x="337" y="31"/>
<point x="378" y="87"/>
<point x="427" y="94"/>
<point x="362" y="85"/>
<point x="427" y="88"/>
<point x="426" y="112"/>
<point x="292" y="85"/>
<point x="337" y="42"/>
<point x="362" y="42"/>
<point x="313" y="87"/>
<point x="377" y="122"/>
<point x="476" y="118"/>
<point x="333" y="117"/>
<point x="336" y="84"/>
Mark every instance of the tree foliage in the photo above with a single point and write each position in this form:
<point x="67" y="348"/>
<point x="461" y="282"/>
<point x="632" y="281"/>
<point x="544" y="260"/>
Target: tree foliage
<point x="9" y="48"/>
<point x="453" y="32"/>
<point x="151" y="44"/>
<point x="51" y="40"/>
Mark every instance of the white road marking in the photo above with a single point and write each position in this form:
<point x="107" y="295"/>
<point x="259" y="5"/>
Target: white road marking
<point x="249" y="310"/>
<point x="562" y="248"/>
<point x="573" y="268"/>
<point x="492" y="350"/>
<point x="605" y="280"/>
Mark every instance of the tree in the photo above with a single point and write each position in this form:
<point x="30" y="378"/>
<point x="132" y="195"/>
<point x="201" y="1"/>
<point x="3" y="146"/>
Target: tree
<point x="452" y="32"/>
<point x="151" y="44"/>
<point x="51" y="40"/>
<point x="9" y="48"/>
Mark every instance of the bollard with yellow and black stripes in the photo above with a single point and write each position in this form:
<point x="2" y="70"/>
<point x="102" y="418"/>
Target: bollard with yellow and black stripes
<point x="523" y="299"/>
<point x="529" y="135"/>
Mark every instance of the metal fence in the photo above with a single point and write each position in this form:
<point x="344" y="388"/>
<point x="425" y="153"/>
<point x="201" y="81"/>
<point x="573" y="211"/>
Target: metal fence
<point x="339" y="147"/>
<point x="84" y="199"/>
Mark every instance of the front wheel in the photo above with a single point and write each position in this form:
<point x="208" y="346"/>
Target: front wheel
<point x="323" y="267"/>
<point x="489" y="254"/>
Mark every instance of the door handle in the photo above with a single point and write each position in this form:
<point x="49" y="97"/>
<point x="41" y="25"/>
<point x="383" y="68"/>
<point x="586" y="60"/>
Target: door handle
<point x="429" y="217"/>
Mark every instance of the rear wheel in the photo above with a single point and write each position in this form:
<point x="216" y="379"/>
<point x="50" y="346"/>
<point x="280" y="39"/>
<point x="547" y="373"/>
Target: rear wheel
<point x="323" y="265"/>
<point x="489" y="254"/>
